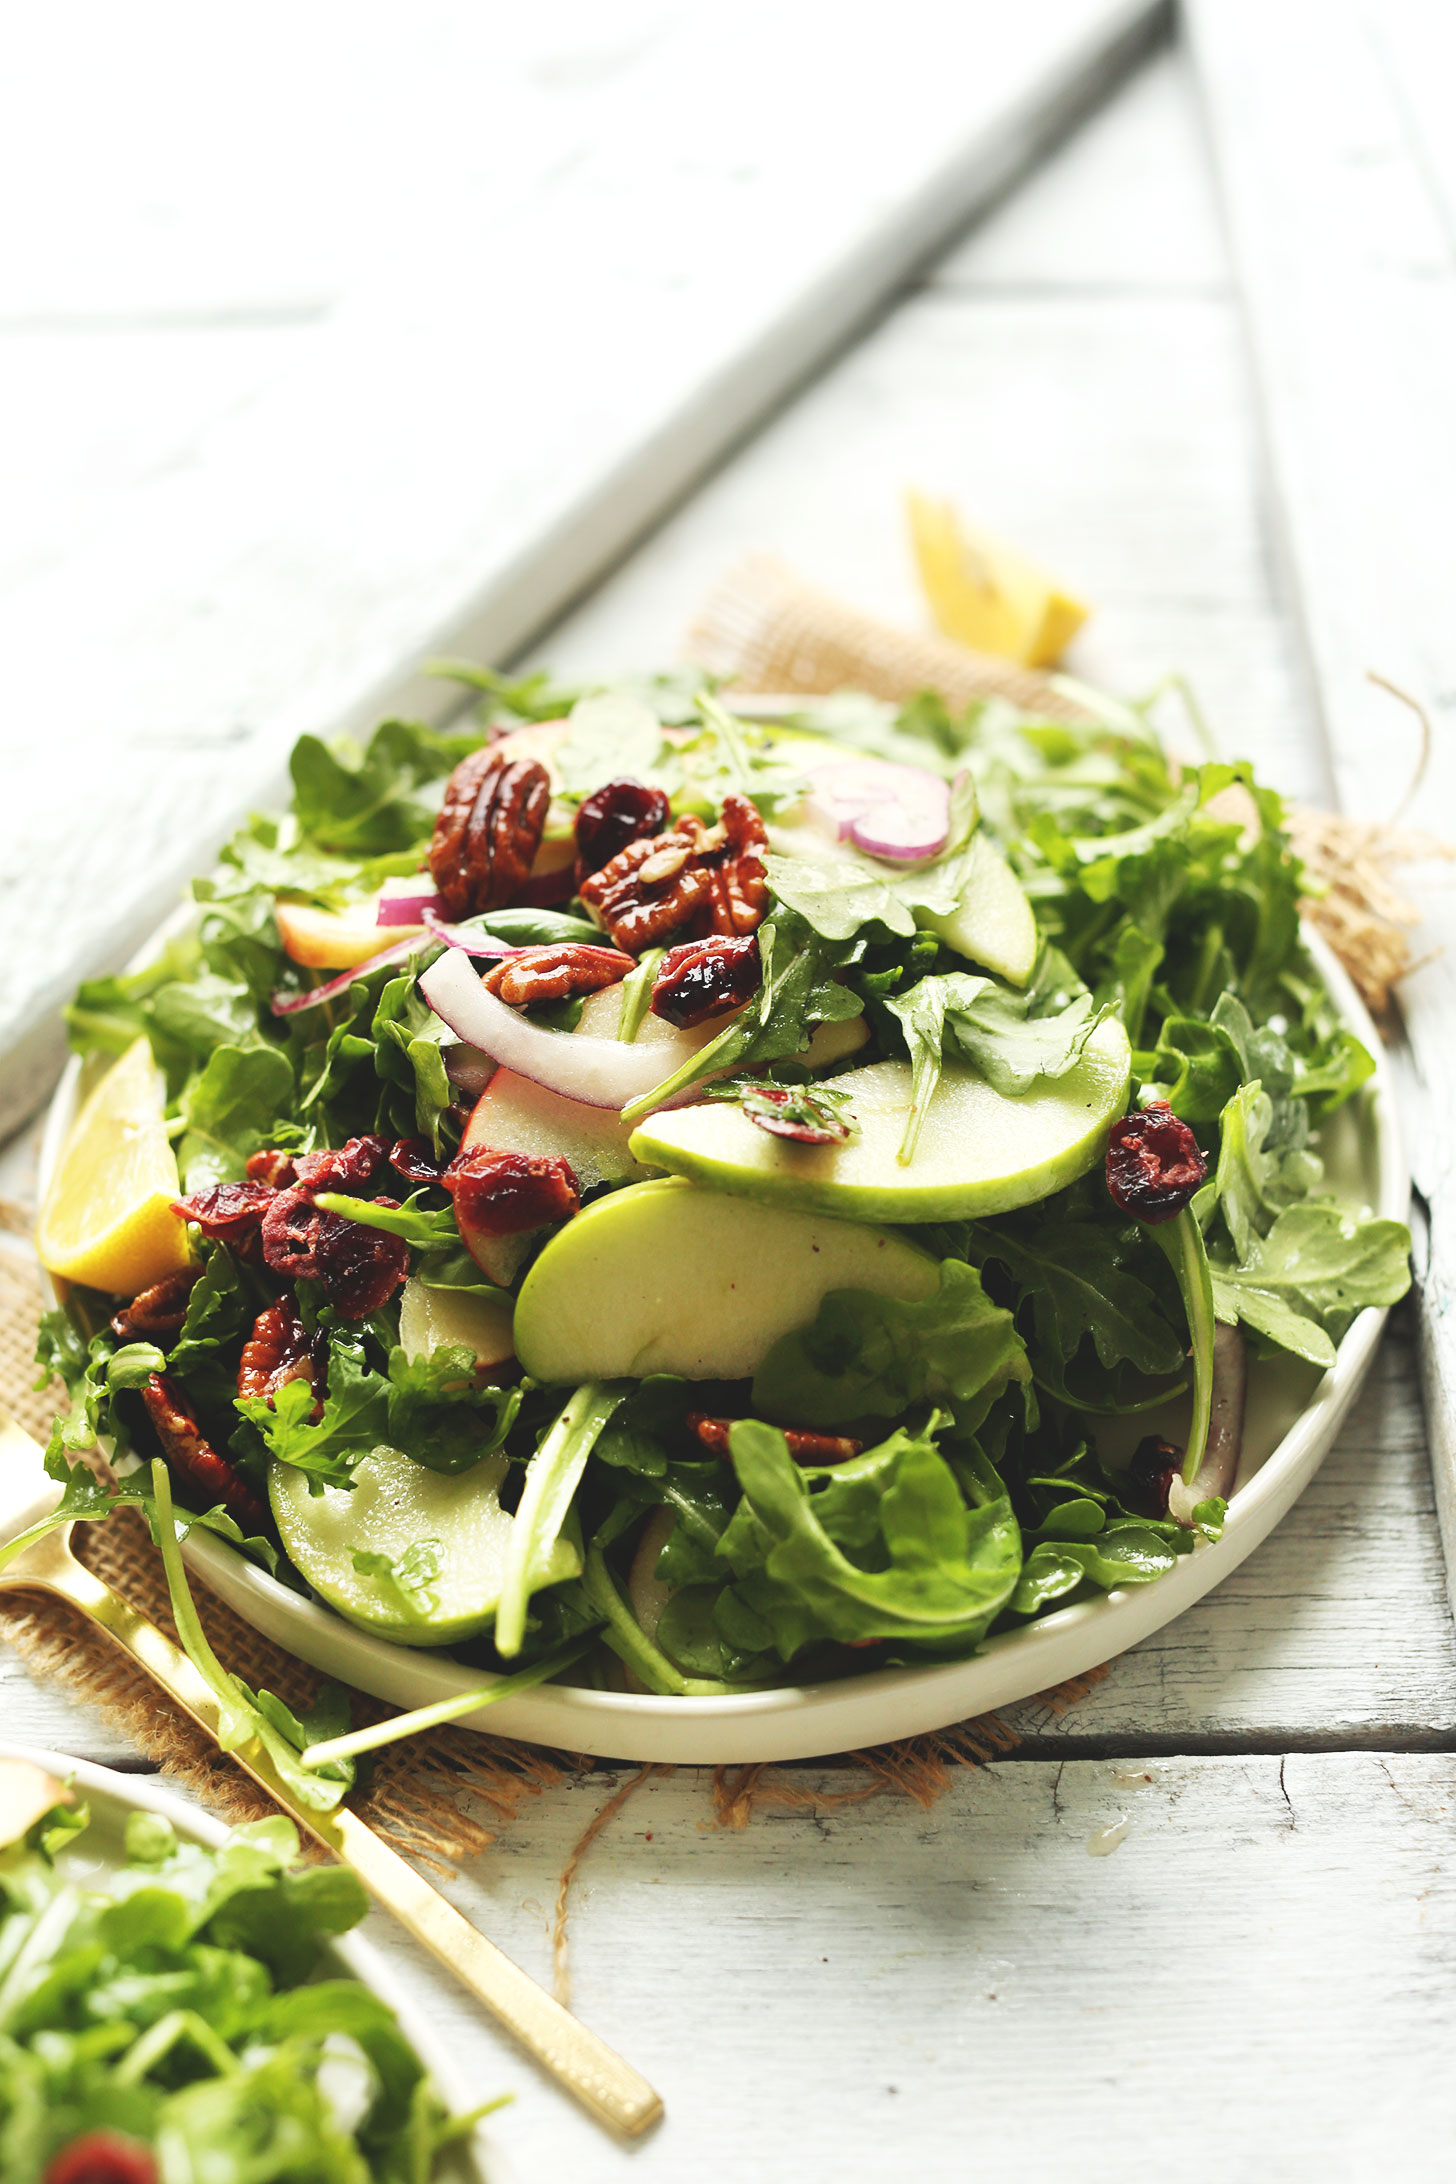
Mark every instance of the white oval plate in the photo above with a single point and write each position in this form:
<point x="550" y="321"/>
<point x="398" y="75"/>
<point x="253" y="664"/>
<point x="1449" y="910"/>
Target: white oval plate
<point x="1294" y="1415"/>
<point x="112" y="1796"/>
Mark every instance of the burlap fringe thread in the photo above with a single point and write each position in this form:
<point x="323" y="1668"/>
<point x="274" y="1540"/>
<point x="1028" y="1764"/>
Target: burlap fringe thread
<point x="765" y="629"/>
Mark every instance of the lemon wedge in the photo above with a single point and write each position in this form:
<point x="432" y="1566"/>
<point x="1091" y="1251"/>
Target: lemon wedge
<point x="107" y="1218"/>
<point x="986" y="594"/>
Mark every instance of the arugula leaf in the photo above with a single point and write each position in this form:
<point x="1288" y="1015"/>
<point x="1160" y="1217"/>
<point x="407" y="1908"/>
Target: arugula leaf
<point x="871" y="1356"/>
<point x="607" y="735"/>
<point x="798" y="990"/>
<point x="230" y="1110"/>
<point x="1074" y="1274"/>
<point x="1122" y="1554"/>
<point x="1302" y="1284"/>
<point x="367" y="802"/>
<point x="884" y="1546"/>
<point x="552" y="1478"/>
<point x="353" y="1420"/>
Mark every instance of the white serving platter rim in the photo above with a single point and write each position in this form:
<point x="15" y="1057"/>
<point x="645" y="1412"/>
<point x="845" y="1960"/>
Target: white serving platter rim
<point x="357" y="1957"/>
<point x="806" y="1721"/>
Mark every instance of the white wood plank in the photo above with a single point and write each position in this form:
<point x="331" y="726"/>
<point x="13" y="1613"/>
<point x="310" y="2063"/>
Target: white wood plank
<point x="1127" y="204"/>
<point x="1256" y="1983"/>
<point x="1342" y="232"/>
<point x="474" y="438"/>
<point x="1109" y="435"/>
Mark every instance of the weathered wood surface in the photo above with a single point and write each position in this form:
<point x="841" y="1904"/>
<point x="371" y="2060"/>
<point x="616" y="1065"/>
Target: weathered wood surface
<point x="1335" y="160"/>
<point x="543" y="343"/>
<point x="1258" y="1981"/>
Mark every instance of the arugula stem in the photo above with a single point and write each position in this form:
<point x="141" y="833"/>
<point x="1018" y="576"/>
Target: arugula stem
<point x="1181" y="1242"/>
<point x="394" y="1220"/>
<point x="380" y="1733"/>
<point x="624" y="1634"/>
<point x="552" y="1478"/>
<point x="636" y="993"/>
<point x="729" y="734"/>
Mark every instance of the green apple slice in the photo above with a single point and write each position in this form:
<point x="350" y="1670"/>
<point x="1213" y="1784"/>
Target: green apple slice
<point x="993" y="923"/>
<point x="663" y="1278"/>
<point x="452" y="1529"/>
<point x="978" y="1152"/>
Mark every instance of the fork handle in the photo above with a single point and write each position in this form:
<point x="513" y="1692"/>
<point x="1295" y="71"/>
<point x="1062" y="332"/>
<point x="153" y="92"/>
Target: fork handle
<point x="599" y="2078"/>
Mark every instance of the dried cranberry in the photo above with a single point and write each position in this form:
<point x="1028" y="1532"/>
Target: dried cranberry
<point x="347" y="1169"/>
<point x="101" y="2157"/>
<point x="1154" y="1466"/>
<point x="705" y="978"/>
<point x="810" y="1114"/>
<point x="617" y="813"/>
<point x="290" y="1235"/>
<point x="229" y="1213"/>
<point x="360" y="1267"/>
<point x="411" y="1157"/>
<point x="1153" y="1164"/>
<point x="505" y="1194"/>
<point x="271" y="1167"/>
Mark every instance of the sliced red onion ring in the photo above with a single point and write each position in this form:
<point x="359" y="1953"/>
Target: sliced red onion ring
<point x="580" y="1066"/>
<point x="455" y="936"/>
<point x="289" y="1004"/>
<point x="469" y="1068"/>
<point x="407" y="907"/>
<point x="896" y="812"/>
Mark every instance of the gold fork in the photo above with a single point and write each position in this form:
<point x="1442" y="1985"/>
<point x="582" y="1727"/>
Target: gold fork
<point x="613" y="2091"/>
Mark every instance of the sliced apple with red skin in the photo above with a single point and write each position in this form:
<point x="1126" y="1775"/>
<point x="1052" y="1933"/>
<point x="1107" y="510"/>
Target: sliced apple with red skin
<point x="335" y="940"/>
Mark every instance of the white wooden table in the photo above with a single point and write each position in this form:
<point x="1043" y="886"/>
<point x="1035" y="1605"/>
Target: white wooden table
<point x="1258" y="1981"/>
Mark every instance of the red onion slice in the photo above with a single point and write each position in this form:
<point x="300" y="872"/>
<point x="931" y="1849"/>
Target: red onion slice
<point x="580" y="1066"/>
<point x="455" y="936"/>
<point x="900" y="813"/>
<point x="408" y="907"/>
<point x="289" y="1004"/>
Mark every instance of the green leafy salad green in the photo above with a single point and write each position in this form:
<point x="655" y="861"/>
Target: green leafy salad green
<point x="828" y="1339"/>
<point x="176" y="2017"/>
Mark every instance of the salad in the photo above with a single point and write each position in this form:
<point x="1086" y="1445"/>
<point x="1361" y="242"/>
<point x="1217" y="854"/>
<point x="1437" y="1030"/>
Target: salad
<point x="632" y="1192"/>
<point x="176" y="2017"/>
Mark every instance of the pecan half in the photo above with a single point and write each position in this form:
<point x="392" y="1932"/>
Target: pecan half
<point x="279" y="1350"/>
<point x="805" y="1448"/>
<point x="505" y="1194"/>
<point x="229" y="1213"/>
<point x="1153" y="1164"/>
<point x="156" y="1314"/>
<point x="360" y="1267"/>
<point x="617" y="813"/>
<point x="343" y="1169"/>
<point x="698" y="879"/>
<point x="186" y="1447"/>
<point x="488" y="831"/>
<point x="550" y="974"/>
<point x="705" y="978"/>
<point x="739" y="874"/>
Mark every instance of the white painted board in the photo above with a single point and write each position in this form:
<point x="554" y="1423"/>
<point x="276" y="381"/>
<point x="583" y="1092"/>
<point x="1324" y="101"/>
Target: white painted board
<point x="1340" y="191"/>
<point x="531" y="371"/>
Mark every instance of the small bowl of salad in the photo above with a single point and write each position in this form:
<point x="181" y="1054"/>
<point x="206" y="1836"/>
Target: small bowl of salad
<point x="737" y="1231"/>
